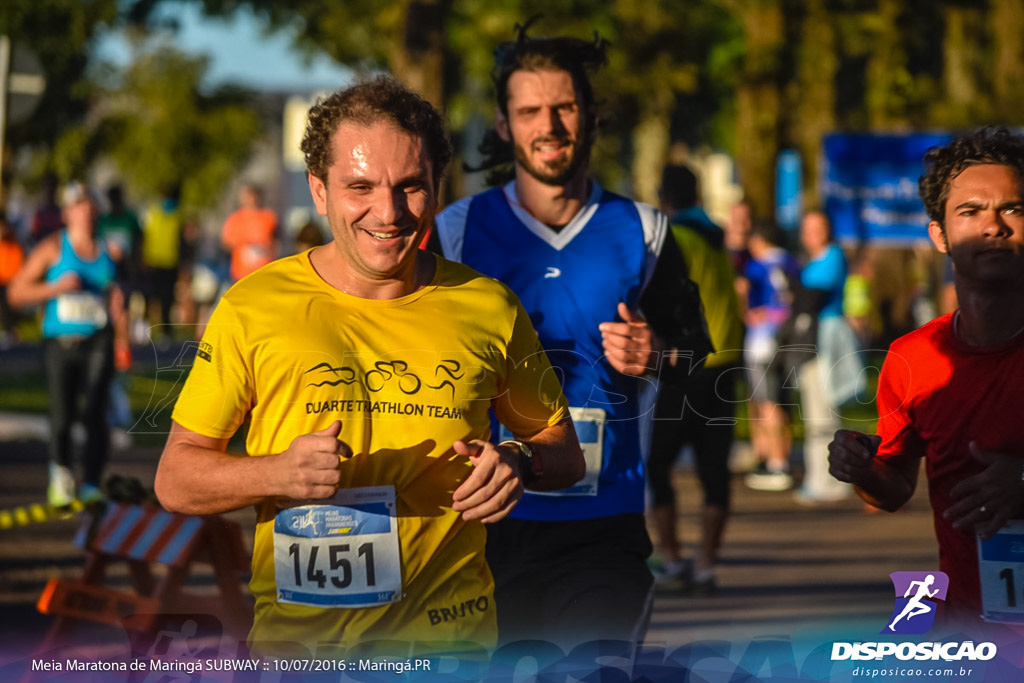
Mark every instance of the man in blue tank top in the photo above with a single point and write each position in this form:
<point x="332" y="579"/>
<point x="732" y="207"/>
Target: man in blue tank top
<point x="608" y="294"/>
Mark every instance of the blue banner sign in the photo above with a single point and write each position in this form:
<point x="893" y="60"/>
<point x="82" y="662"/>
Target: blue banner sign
<point x="870" y="186"/>
<point x="789" y="191"/>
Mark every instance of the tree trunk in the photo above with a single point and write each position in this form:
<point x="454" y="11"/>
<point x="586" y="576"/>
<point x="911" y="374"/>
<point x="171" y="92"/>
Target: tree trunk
<point x="1007" y="18"/>
<point x="758" y="103"/>
<point x="815" y="99"/>
<point x="418" y="59"/>
<point x="887" y="72"/>
<point x="650" y="146"/>
<point x="957" y="64"/>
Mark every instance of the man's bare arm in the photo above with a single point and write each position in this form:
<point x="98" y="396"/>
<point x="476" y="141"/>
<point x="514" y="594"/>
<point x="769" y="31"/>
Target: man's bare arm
<point x="29" y="285"/>
<point x="886" y="483"/>
<point x="197" y="476"/>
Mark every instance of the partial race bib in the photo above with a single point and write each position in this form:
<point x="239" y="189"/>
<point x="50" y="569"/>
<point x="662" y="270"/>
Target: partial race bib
<point x="1001" y="568"/>
<point x="82" y="308"/>
<point x="589" y="424"/>
<point x="342" y="553"/>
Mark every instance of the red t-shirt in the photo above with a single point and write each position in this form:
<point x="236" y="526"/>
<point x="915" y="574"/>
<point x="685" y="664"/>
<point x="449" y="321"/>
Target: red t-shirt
<point x="11" y="258"/>
<point x="249" y="233"/>
<point x="936" y="395"/>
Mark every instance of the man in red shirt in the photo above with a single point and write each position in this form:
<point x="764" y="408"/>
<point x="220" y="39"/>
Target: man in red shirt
<point x="951" y="392"/>
<point x="12" y="256"/>
<point x="250" y="234"/>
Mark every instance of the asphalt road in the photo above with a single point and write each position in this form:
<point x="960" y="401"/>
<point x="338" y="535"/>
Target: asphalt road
<point x="787" y="572"/>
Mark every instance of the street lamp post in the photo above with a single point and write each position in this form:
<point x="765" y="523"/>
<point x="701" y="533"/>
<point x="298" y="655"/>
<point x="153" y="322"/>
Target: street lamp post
<point x="21" y="87"/>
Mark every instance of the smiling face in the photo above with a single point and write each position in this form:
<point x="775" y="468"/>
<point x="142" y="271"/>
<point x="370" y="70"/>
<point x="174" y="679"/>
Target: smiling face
<point x="379" y="199"/>
<point x="547" y="125"/>
<point x="983" y="230"/>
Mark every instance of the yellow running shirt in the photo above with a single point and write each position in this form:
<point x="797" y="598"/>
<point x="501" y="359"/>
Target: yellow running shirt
<point x="387" y="558"/>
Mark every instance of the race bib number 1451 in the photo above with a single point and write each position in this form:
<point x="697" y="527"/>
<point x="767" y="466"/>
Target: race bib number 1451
<point x="342" y="553"/>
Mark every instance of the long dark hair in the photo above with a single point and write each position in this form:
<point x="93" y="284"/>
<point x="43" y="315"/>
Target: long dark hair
<point x="578" y="57"/>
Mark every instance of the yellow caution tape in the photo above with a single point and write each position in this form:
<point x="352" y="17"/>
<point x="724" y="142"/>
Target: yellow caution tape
<point x="36" y="513"/>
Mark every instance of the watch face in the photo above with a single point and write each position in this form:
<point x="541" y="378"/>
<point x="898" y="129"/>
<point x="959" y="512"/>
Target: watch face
<point x="532" y="468"/>
<point x="526" y="449"/>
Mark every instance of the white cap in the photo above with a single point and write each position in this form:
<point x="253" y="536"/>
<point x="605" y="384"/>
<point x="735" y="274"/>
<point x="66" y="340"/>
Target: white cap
<point x="76" y="191"/>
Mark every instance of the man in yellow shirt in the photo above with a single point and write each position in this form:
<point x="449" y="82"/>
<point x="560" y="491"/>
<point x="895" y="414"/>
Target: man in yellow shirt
<point x="162" y="236"/>
<point x="367" y="369"/>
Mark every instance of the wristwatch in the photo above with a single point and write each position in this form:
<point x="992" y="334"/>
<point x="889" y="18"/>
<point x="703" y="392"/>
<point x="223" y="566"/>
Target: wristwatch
<point x="530" y="466"/>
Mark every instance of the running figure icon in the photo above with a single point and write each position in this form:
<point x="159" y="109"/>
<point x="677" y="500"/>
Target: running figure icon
<point x="916" y="605"/>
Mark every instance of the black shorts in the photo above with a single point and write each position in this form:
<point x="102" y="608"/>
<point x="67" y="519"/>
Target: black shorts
<point x="571" y="582"/>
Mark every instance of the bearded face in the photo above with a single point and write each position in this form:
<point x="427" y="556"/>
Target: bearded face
<point x="546" y="125"/>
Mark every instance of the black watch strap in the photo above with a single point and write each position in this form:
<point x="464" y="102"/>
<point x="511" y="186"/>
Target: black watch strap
<point x="530" y="467"/>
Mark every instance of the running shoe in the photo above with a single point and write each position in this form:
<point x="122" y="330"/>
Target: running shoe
<point x="765" y="479"/>
<point x="674" y="576"/>
<point x="703" y="584"/>
<point x="90" y="493"/>
<point x="61" y="491"/>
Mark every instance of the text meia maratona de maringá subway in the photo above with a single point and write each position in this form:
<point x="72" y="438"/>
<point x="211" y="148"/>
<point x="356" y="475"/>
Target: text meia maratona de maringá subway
<point x="187" y="666"/>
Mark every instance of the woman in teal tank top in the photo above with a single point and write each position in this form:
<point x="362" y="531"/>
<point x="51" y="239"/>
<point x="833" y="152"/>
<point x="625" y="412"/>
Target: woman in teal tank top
<point x="73" y="276"/>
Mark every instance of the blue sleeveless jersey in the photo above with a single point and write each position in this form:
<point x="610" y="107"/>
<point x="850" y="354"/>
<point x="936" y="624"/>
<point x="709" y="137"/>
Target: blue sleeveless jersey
<point x="84" y="312"/>
<point x="570" y="282"/>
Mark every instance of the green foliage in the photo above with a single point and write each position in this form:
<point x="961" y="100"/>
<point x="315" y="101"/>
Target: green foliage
<point x="60" y="33"/>
<point x="695" y="69"/>
<point x="152" y="120"/>
<point x="159" y="129"/>
<point x="659" y="47"/>
<point x="359" y="33"/>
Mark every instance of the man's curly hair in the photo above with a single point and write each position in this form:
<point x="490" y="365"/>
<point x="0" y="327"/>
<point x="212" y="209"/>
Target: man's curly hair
<point x="367" y="103"/>
<point x="580" y="58"/>
<point x="990" y="145"/>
